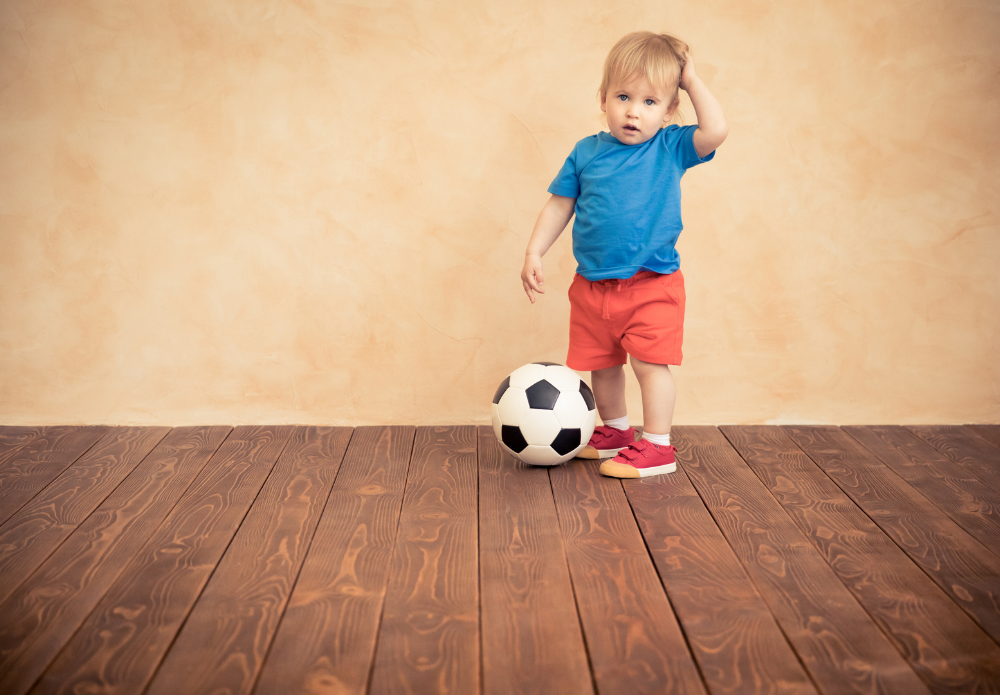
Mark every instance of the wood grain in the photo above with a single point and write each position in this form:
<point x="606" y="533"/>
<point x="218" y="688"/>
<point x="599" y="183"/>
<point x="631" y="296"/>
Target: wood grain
<point x="30" y="535"/>
<point x="968" y="572"/>
<point x="949" y="652"/>
<point x="739" y="647"/>
<point x="966" y="447"/>
<point x="42" y="614"/>
<point x="326" y="640"/>
<point x="958" y="493"/>
<point x="429" y="638"/>
<point x="531" y="635"/>
<point x="120" y="645"/>
<point x="14" y="438"/>
<point x="634" y="640"/>
<point x="844" y="651"/>
<point x="40" y="461"/>
<point x="222" y="645"/>
<point x="990" y="432"/>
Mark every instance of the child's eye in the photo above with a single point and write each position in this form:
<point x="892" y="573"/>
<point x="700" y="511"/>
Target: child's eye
<point x="623" y="97"/>
<point x="650" y="102"/>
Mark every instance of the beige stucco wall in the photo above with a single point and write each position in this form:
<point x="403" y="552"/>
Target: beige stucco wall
<point x="304" y="211"/>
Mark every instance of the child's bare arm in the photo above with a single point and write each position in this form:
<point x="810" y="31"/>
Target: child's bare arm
<point x="712" y="127"/>
<point x="551" y="221"/>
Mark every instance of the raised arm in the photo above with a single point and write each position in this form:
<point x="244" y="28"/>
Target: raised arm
<point x="712" y="127"/>
<point x="551" y="221"/>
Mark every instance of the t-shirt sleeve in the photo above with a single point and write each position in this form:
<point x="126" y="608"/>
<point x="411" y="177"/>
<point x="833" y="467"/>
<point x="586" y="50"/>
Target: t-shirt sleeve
<point x="687" y="156"/>
<point x="567" y="182"/>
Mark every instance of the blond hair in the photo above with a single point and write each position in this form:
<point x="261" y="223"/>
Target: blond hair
<point x="657" y="57"/>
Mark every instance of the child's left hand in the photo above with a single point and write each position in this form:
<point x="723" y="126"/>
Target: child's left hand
<point x="688" y="75"/>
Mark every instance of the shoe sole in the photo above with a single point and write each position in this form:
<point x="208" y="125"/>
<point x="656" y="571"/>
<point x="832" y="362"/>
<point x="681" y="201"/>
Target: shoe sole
<point x="589" y="452"/>
<point x="625" y="471"/>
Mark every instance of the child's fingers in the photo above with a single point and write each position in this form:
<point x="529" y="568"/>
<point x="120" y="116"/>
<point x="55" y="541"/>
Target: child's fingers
<point x="531" y="295"/>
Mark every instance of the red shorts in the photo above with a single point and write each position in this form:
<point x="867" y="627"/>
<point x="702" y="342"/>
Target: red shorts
<point x="642" y="316"/>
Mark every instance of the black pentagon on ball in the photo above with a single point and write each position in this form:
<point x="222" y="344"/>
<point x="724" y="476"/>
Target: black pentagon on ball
<point x="588" y="395"/>
<point x="503" y="387"/>
<point x="567" y="440"/>
<point x="547" y="364"/>
<point x="541" y="394"/>
<point x="512" y="438"/>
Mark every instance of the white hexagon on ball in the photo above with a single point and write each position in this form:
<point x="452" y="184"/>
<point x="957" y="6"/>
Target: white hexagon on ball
<point x="525" y="376"/>
<point x="562" y="378"/>
<point x="540" y="426"/>
<point x="571" y="410"/>
<point x="513" y="405"/>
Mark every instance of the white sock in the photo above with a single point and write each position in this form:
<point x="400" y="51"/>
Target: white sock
<point x="663" y="440"/>
<point x="618" y="423"/>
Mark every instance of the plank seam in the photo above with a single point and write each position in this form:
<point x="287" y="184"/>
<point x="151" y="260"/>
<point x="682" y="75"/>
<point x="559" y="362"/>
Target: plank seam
<point x="107" y="429"/>
<point x="930" y="496"/>
<point x="652" y="560"/>
<point x="572" y="585"/>
<point x="84" y="518"/>
<point x="749" y="575"/>
<point x="305" y="555"/>
<point x="194" y="603"/>
<point x="884" y="628"/>
<point x="947" y="593"/>
<point x="972" y="474"/>
<point x="139" y="549"/>
<point x="388" y="568"/>
<point x="479" y="563"/>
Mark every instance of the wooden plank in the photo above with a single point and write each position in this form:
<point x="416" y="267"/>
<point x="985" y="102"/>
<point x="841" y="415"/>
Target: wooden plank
<point x="531" y="635"/>
<point x="953" y="489"/>
<point x="33" y="533"/>
<point x="222" y="644"/>
<point x="968" y="572"/>
<point x="326" y="640"/>
<point x="634" y="640"/>
<point x="120" y="645"/>
<point x="42" y="614"/>
<point x="14" y="438"/>
<point x="844" y="651"/>
<point x="42" y="460"/>
<point x="966" y="447"/>
<point x="949" y="652"/>
<point x="429" y="639"/>
<point x="738" y="645"/>
<point x="990" y="432"/>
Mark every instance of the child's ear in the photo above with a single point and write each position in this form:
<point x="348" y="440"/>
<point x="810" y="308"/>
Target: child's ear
<point x="604" y="102"/>
<point x="671" y="110"/>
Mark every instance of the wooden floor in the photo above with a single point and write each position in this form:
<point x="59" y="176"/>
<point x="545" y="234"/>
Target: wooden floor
<point x="282" y="559"/>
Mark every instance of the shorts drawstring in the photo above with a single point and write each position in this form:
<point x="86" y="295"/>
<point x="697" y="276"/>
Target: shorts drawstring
<point x="608" y="284"/>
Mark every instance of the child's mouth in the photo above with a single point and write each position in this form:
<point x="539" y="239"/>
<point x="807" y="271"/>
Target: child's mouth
<point x="629" y="127"/>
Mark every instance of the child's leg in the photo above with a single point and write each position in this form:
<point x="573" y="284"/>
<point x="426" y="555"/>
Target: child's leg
<point x="609" y="395"/>
<point x="609" y="392"/>
<point x="652" y="455"/>
<point x="658" y="396"/>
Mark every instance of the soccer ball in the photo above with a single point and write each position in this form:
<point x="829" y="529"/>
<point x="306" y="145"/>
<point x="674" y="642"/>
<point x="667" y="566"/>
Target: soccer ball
<point x="543" y="413"/>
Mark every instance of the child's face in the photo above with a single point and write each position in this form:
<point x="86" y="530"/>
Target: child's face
<point x="636" y="110"/>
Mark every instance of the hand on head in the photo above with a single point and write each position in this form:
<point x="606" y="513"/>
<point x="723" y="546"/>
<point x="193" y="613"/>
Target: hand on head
<point x="687" y="72"/>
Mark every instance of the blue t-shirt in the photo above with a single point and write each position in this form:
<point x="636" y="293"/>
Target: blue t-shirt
<point x="628" y="201"/>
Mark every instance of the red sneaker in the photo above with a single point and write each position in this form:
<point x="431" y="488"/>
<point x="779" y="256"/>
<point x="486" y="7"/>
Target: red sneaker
<point x="641" y="458"/>
<point x="606" y="442"/>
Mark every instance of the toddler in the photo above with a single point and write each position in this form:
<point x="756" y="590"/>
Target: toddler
<point x="627" y="298"/>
